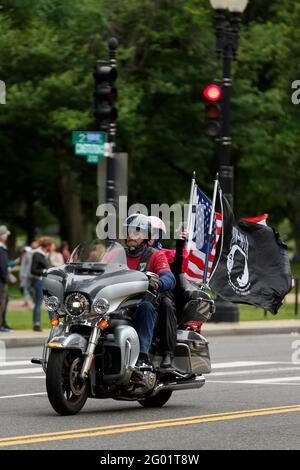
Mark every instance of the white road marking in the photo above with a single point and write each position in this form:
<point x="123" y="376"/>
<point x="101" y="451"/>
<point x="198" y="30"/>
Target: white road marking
<point x="29" y="370"/>
<point x="273" y="380"/>
<point x="255" y="371"/>
<point x="15" y="363"/>
<point x="240" y="382"/>
<point x="229" y="365"/>
<point x="24" y="395"/>
<point x="33" y="377"/>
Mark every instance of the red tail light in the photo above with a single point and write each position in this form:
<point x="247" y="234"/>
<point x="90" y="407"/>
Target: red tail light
<point x="193" y="326"/>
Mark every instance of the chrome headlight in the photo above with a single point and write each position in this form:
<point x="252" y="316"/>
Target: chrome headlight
<point x="101" y="306"/>
<point x="52" y="303"/>
<point x="77" y="304"/>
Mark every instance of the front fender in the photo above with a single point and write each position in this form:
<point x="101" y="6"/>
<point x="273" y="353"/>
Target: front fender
<point x="72" y="341"/>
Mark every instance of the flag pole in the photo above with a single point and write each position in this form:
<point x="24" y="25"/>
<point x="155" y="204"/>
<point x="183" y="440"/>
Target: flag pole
<point x="189" y="228"/>
<point x="222" y="235"/>
<point x="211" y="221"/>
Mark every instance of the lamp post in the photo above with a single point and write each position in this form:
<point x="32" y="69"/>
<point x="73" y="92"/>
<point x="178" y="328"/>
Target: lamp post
<point x="227" y="25"/>
<point x="227" y="35"/>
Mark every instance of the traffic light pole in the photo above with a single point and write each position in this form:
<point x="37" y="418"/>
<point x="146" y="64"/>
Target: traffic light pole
<point x="112" y="131"/>
<point x="111" y="171"/>
<point x="226" y="169"/>
<point x="225" y="311"/>
<point x="105" y="94"/>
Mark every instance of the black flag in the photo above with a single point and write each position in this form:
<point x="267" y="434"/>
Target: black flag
<point x="253" y="264"/>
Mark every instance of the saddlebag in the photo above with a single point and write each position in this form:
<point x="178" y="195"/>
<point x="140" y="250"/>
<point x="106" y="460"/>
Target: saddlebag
<point x="198" y="307"/>
<point x="192" y="353"/>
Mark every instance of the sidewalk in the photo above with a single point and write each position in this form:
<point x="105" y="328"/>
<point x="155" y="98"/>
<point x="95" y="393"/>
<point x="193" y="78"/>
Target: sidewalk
<point x="23" y="338"/>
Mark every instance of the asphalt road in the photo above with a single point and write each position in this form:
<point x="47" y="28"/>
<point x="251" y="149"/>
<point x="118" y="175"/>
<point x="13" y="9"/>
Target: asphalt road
<point x="251" y="400"/>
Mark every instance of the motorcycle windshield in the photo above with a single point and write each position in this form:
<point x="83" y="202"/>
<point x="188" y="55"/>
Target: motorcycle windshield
<point x="99" y="252"/>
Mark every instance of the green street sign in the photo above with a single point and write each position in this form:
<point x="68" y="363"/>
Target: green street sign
<point x="88" y="137"/>
<point x="89" y="149"/>
<point x="92" y="158"/>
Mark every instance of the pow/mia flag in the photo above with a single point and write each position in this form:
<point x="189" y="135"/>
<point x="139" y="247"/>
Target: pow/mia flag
<point x="253" y="264"/>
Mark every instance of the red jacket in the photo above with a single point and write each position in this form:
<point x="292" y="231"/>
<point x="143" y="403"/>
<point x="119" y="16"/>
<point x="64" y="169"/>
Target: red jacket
<point x="157" y="263"/>
<point x="170" y="255"/>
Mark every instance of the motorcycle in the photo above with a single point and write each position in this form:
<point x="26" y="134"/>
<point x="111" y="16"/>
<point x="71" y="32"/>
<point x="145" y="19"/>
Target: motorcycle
<point x="93" y="348"/>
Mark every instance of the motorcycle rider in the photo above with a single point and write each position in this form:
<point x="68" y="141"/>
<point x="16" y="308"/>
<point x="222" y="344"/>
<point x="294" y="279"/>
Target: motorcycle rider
<point x="167" y="321"/>
<point x="137" y="230"/>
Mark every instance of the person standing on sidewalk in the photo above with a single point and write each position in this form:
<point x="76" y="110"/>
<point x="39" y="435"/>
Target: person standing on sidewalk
<point x="4" y="276"/>
<point x="56" y="257"/>
<point x="65" y="251"/>
<point x="25" y="267"/>
<point x="39" y="265"/>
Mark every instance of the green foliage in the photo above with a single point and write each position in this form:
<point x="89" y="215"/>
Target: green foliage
<point x="165" y="58"/>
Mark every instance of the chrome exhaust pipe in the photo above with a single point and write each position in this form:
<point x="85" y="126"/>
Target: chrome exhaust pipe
<point x="197" y="382"/>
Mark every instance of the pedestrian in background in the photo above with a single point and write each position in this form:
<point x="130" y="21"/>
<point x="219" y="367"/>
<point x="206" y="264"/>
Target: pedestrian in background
<point x="25" y="268"/>
<point x="65" y="250"/>
<point x="55" y="257"/>
<point x="39" y="265"/>
<point x="4" y="277"/>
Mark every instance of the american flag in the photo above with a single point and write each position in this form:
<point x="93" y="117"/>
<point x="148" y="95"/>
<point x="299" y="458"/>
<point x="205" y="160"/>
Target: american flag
<point x="259" y="219"/>
<point x="200" y="241"/>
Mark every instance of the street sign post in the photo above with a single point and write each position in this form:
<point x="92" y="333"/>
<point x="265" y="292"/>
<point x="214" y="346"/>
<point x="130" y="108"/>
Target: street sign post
<point x="88" y="137"/>
<point x="93" y="158"/>
<point x="89" y="149"/>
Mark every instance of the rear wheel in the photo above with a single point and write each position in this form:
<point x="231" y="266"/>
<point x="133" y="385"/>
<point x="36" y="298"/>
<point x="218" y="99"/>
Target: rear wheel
<point x="158" y="400"/>
<point x="67" y="392"/>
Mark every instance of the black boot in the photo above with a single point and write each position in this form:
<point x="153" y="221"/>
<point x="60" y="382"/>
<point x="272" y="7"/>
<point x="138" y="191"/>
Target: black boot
<point x="166" y="362"/>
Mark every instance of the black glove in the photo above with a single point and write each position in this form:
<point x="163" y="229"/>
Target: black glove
<point x="154" y="286"/>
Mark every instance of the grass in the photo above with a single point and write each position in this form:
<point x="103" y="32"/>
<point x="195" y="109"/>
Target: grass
<point x="250" y="313"/>
<point x="22" y="319"/>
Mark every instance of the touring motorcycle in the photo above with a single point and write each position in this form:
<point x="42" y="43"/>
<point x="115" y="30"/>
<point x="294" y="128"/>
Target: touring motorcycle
<point x="93" y="347"/>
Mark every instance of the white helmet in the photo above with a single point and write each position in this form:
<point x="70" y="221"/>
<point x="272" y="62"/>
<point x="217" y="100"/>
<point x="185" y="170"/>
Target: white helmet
<point x="157" y="226"/>
<point x="137" y="221"/>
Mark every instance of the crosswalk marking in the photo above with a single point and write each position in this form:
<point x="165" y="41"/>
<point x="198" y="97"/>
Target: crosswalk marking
<point x="28" y="370"/>
<point x="228" y="365"/>
<point x="33" y="377"/>
<point x="24" y="395"/>
<point x="255" y="371"/>
<point x="15" y="363"/>
<point x="222" y="369"/>
<point x="273" y="380"/>
<point x="246" y="382"/>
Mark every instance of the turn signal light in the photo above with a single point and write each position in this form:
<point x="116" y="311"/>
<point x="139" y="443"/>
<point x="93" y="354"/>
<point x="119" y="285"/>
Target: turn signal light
<point x="103" y="324"/>
<point x="54" y="321"/>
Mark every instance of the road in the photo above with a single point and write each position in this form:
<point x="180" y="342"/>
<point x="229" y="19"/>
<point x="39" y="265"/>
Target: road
<point x="251" y="397"/>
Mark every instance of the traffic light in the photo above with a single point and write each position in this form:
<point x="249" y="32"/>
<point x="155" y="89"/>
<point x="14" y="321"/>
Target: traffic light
<point x="213" y="111"/>
<point x="105" y="93"/>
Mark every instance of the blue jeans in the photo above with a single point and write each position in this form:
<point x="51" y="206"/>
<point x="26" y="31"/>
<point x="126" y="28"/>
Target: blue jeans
<point x="37" y="285"/>
<point x="144" y="320"/>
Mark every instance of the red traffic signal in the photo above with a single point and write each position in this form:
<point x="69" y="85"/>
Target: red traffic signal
<point x="212" y="93"/>
<point x="212" y="111"/>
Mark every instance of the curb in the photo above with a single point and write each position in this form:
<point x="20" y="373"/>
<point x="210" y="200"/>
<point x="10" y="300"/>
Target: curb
<point x="23" y="342"/>
<point x="272" y="330"/>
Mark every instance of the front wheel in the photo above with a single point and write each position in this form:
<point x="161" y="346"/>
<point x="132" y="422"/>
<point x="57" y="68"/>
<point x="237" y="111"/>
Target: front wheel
<point x="67" y="392"/>
<point x="158" y="400"/>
